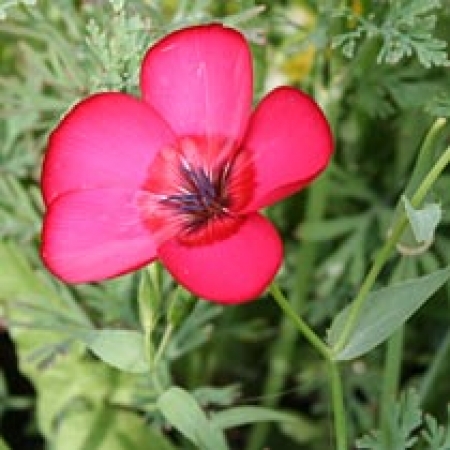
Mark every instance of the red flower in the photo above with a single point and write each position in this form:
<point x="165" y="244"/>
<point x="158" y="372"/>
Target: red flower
<point x="180" y="174"/>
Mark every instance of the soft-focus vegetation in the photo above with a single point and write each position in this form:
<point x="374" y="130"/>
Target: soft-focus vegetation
<point x="113" y="366"/>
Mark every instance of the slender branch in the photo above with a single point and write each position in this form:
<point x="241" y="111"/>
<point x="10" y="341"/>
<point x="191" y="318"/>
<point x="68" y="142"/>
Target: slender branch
<point x="386" y="250"/>
<point x="299" y="323"/>
<point x="391" y="375"/>
<point x="163" y="344"/>
<point x="337" y="395"/>
<point x="337" y="398"/>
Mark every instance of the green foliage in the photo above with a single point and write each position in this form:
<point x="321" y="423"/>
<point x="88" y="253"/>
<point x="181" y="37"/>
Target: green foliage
<point x="117" y="45"/>
<point x="437" y="437"/>
<point x="182" y="411"/>
<point x="6" y="4"/>
<point x="3" y="445"/>
<point x="90" y="351"/>
<point x="384" y="312"/>
<point x="403" y="420"/>
<point x="405" y="30"/>
<point x="423" y="221"/>
<point x="123" y="349"/>
<point x="408" y="427"/>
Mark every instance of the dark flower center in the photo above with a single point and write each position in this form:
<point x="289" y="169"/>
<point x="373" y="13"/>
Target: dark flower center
<point x="203" y="197"/>
<point x="197" y="190"/>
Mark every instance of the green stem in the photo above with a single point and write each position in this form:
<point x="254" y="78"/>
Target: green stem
<point x="394" y="353"/>
<point x="337" y="394"/>
<point x="337" y="398"/>
<point x="282" y="351"/>
<point x="299" y="323"/>
<point x="386" y="250"/>
<point x="391" y="375"/>
<point x="435" y="370"/>
<point x="163" y="345"/>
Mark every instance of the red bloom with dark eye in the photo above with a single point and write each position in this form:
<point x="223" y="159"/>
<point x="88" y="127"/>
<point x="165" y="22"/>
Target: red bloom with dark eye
<point x="180" y="174"/>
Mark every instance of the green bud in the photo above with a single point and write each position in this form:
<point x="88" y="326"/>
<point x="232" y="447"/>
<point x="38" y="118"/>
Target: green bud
<point x="148" y="301"/>
<point x="180" y="307"/>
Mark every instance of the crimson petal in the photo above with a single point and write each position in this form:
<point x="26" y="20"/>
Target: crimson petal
<point x="291" y="143"/>
<point x="233" y="270"/>
<point x="106" y="140"/>
<point x="95" y="234"/>
<point x="200" y="80"/>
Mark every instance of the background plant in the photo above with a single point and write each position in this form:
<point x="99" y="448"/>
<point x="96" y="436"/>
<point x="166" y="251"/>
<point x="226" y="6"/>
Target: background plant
<point x="379" y="70"/>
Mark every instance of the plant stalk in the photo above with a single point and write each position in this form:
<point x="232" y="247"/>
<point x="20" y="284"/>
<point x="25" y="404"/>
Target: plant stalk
<point x="283" y="349"/>
<point x="337" y="394"/>
<point x="385" y="252"/>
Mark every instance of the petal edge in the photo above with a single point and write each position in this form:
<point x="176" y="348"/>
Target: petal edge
<point x="106" y="140"/>
<point x="291" y="143"/>
<point x="200" y="80"/>
<point x="93" y="235"/>
<point x="234" y="270"/>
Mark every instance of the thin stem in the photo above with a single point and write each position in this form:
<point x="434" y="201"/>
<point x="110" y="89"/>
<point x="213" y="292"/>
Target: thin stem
<point x="299" y="323"/>
<point x="386" y="250"/>
<point x="394" y="353"/>
<point x="337" y="395"/>
<point x="435" y="370"/>
<point x="163" y="344"/>
<point x="337" y="398"/>
<point x="391" y="374"/>
<point x="283" y="349"/>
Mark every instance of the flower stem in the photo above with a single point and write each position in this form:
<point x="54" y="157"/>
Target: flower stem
<point x="387" y="248"/>
<point x="283" y="349"/>
<point x="436" y="369"/>
<point x="337" y="395"/>
<point x="337" y="398"/>
<point x="391" y="375"/>
<point x="394" y="353"/>
<point x="163" y="345"/>
<point x="299" y="323"/>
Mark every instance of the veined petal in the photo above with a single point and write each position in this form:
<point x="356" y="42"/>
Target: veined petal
<point x="235" y="269"/>
<point x="106" y="140"/>
<point x="200" y="80"/>
<point x="95" y="234"/>
<point x="291" y="143"/>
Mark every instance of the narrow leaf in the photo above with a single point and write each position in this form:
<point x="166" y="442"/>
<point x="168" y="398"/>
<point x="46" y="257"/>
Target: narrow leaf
<point x="182" y="411"/>
<point x="384" y="312"/>
<point x="243" y="415"/>
<point x="123" y="349"/>
<point x="3" y="445"/>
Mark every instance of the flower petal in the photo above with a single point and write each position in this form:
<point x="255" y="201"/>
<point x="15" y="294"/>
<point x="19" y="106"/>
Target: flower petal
<point x="106" y="140"/>
<point x="200" y="80"/>
<point x="291" y="143"/>
<point x="233" y="270"/>
<point x="95" y="234"/>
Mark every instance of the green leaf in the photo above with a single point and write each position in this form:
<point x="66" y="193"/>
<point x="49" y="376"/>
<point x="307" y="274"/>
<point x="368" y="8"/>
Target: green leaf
<point x="123" y="349"/>
<point x="103" y="428"/>
<point x="301" y="429"/>
<point x="244" y="415"/>
<point x="3" y="445"/>
<point x="324" y="230"/>
<point x="148" y="302"/>
<point x="182" y="411"/>
<point x="423" y="221"/>
<point x="217" y="396"/>
<point x="384" y="312"/>
<point x="404" y="418"/>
